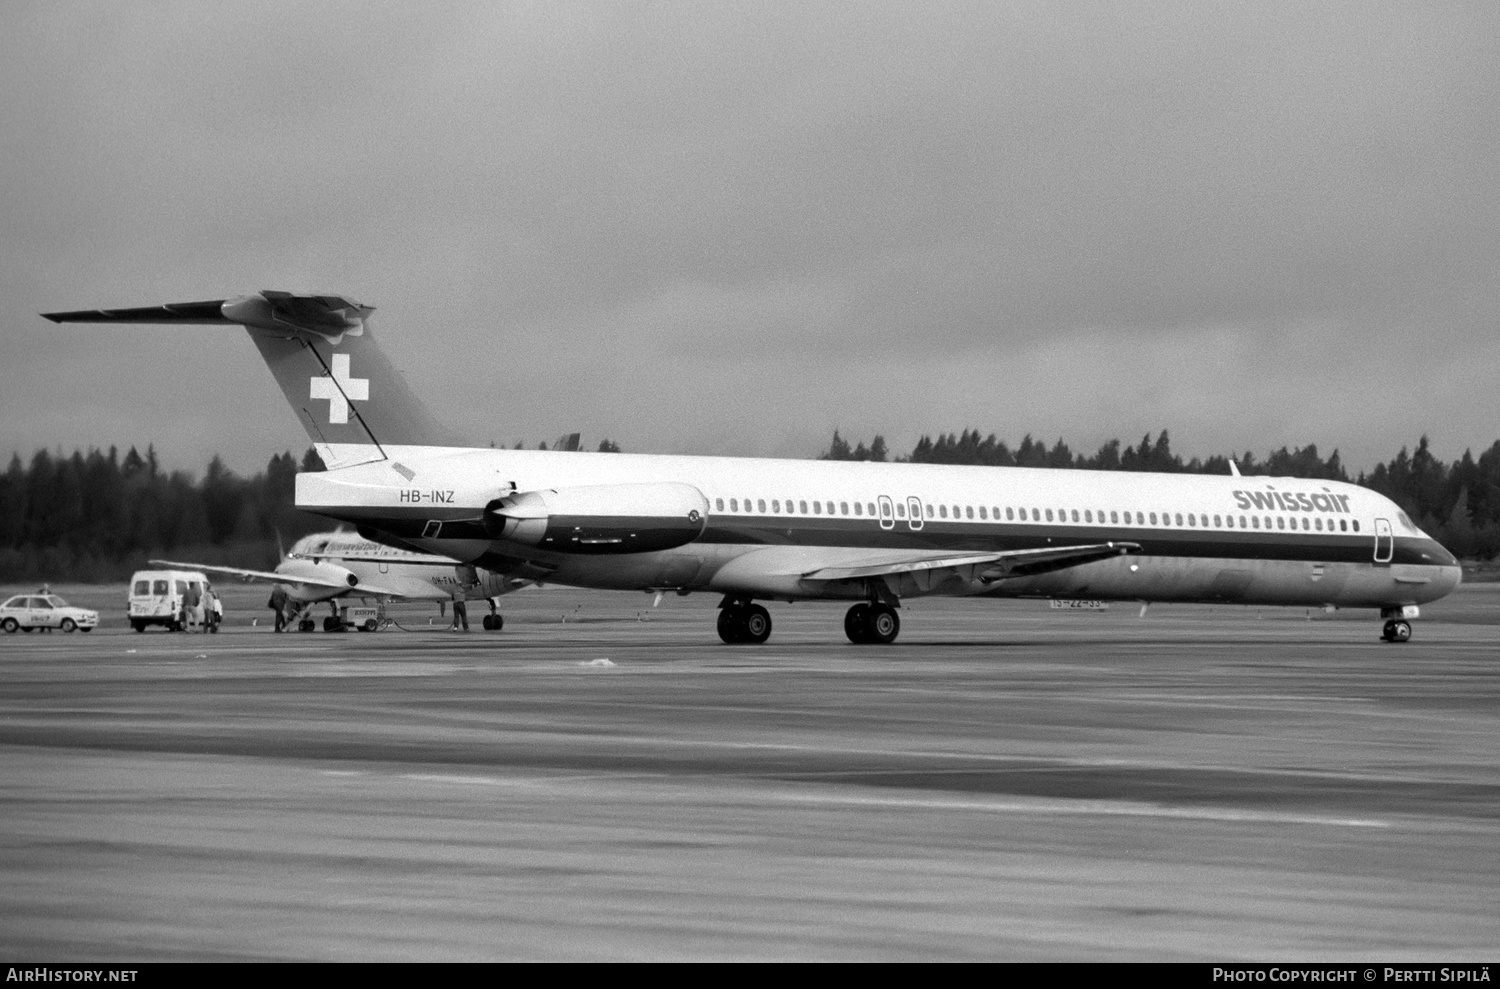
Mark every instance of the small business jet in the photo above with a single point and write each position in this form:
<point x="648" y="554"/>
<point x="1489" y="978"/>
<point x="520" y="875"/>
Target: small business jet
<point x="330" y="566"/>
<point x="753" y="530"/>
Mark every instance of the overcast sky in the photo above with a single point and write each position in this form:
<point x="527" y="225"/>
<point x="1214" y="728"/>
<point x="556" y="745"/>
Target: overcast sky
<point x="730" y="228"/>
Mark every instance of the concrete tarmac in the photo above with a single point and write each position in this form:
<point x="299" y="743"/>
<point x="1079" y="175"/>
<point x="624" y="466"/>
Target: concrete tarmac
<point x="604" y="780"/>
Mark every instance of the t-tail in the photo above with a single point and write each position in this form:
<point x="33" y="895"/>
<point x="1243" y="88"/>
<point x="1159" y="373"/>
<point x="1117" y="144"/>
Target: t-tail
<point x="352" y="401"/>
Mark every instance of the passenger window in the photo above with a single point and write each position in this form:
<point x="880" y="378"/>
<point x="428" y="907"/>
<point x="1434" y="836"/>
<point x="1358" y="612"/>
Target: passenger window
<point x="801" y="507"/>
<point x="943" y="510"/>
<point x="776" y="505"/>
<point x="760" y="504"/>
<point x="1318" y="524"/>
<point x="1343" y="525"/>
<point x="1192" y="520"/>
<point x="1036" y="515"/>
<point x="1179" y="518"/>
<point x="844" y="507"/>
<point x="983" y="512"/>
<point x="1280" y="522"/>
<point x="1010" y="513"/>
<point x="734" y="504"/>
<point x="1242" y="522"/>
<point x="1153" y="518"/>
<point x="1306" y="525"/>
<point x="859" y="508"/>
<point x="179" y="586"/>
<point x="870" y="507"/>
<point x="900" y="510"/>
<point x="1075" y="515"/>
<point x="1114" y="518"/>
<point x="830" y="508"/>
<point x="1049" y="515"/>
<point x="1088" y="516"/>
<point x="1217" y="523"/>
<point x="969" y="512"/>
<point x="817" y="508"/>
<point x="719" y="504"/>
<point x="956" y="513"/>
<point x="1355" y="523"/>
<point x="1268" y="521"/>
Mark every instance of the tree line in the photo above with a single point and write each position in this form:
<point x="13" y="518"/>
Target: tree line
<point x="1457" y="503"/>
<point x="98" y="516"/>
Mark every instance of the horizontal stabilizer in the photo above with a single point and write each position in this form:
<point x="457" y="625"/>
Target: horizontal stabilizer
<point x="329" y="316"/>
<point x="181" y="312"/>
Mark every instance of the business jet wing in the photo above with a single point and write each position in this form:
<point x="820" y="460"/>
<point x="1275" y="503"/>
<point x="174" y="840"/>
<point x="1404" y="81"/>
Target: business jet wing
<point x="987" y="567"/>
<point x="290" y="579"/>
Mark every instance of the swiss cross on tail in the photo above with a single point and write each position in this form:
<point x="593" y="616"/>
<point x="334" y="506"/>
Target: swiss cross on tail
<point x="340" y="389"/>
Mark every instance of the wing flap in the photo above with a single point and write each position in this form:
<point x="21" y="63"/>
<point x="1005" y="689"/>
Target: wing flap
<point x="989" y="567"/>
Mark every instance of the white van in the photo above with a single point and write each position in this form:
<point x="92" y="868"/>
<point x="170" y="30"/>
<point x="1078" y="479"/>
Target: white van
<point x="156" y="597"/>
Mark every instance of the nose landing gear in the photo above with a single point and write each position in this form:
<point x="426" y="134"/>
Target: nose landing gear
<point x="1396" y="630"/>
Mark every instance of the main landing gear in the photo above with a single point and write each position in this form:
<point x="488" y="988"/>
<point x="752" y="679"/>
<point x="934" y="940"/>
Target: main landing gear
<point x="1396" y="630"/>
<point x="743" y="622"/>
<point x="872" y="624"/>
<point x="492" y="622"/>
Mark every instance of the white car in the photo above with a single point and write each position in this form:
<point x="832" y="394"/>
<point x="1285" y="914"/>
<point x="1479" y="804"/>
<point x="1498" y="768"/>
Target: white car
<point x="33" y="611"/>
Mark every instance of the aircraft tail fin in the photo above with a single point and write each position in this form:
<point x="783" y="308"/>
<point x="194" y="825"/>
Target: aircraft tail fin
<point x="348" y="396"/>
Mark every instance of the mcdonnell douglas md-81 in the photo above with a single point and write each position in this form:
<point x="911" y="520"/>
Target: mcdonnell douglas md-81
<point x="788" y="530"/>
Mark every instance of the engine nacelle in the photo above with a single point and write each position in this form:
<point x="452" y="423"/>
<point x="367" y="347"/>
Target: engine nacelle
<point x="603" y="518"/>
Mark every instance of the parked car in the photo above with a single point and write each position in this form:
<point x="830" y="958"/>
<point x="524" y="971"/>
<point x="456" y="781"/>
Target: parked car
<point x="32" y="611"/>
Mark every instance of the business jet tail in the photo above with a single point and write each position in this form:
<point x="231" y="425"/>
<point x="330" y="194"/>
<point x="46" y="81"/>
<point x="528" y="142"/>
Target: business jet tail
<point x="352" y="401"/>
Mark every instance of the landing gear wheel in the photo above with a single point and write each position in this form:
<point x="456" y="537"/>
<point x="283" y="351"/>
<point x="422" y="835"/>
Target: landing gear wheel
<point x="756" y="624"/>
<point x="69" y="625"/>
<point x="856" y="623"/>
<point x="1397" y="631"/>
<point x="307" y="625"/>
<point x="882" y="625"/>
<point x="493" y="623"/>
<point x="730" y="620"/>
<point x="138" y="626"/>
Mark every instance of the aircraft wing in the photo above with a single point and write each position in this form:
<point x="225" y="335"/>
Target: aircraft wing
<point x="271" y="575"/>
<point x="988" y="567"/>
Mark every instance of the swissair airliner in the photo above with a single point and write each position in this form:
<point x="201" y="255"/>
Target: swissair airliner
<point x="754" y="530"/>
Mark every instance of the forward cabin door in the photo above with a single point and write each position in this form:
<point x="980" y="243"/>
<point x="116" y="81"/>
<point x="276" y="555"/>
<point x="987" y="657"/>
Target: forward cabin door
<point x="1385" y="542"/>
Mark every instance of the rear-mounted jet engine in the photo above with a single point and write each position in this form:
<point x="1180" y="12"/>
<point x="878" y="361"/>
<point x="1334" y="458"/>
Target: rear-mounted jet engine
<point x="604" y="518"/>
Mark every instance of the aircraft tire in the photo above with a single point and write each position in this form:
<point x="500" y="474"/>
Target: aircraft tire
<point x="1398" y="631"/>
<point x="499" y="623"/>
<point x="856" y="620"/>
<point x="729" y="625"/>
<point x="307" y="625"/>
<point x="138" y="626"/>
<point x="755" y="626"/>
<point x="10" y="625"/>
<point x="883" y="625"/>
